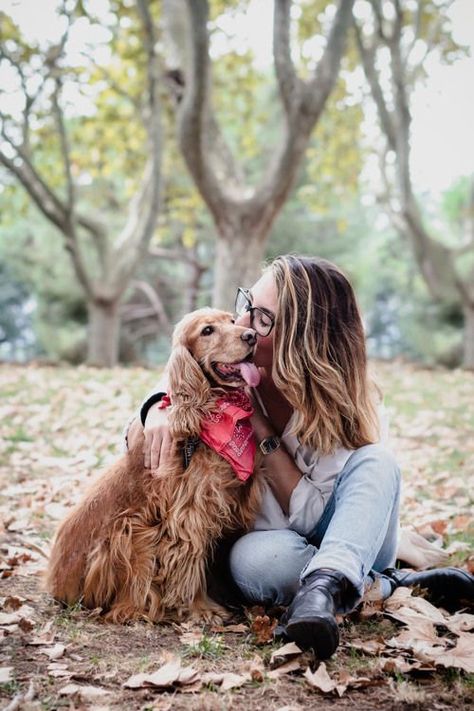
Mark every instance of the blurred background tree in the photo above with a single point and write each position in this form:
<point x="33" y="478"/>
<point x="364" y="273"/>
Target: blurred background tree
<point x="67" y="161"/>
<point x="406" y="34"/>
<point x="332" y="201"/>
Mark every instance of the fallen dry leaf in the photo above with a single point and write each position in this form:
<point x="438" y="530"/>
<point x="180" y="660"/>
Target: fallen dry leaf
<point x="86" y="693"/>
<point x="170" y="674"/>
<point x="12" y="603"/>
<point x="55" y="652"/>
<point x="290" y="666"/>
<point x="460" y="622"/>
<point x="421" y="630"/>
<point x="5" y="674"/>
<point x="225" y="680"/>
<point x="369" y="646"/>
<point x="9" y="618"/>
<point x="407" y="608"/>
<point x="26" y="625"/>
<point x="398" y="664"/>
<point x="288" y="650"/>
<point x="321" y="680"/>
<point x="262" y="628"/>
<point x="59" y="671"/>
<point x="191" y="637"/>
<point x="23" y="617"/>
<point x="460" y="656"/>
<point x="46" y="635"/>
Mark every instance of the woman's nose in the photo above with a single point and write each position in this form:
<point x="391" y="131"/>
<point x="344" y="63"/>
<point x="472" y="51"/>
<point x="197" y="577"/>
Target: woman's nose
<point x="249" y="336"/>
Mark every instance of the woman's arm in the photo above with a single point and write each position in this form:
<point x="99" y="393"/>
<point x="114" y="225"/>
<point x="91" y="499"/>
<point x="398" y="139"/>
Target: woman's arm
<point x="283" y="474"/>
<point x="157" y="444"/>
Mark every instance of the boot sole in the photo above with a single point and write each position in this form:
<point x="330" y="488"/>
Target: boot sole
<point x="317" y="633"/>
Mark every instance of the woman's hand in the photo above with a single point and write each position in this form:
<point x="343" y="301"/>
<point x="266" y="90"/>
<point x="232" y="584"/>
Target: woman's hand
<point x="157" y="447"/>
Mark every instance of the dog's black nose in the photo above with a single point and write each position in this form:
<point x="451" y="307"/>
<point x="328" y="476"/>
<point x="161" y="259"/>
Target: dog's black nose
<point x="249" y="336"/>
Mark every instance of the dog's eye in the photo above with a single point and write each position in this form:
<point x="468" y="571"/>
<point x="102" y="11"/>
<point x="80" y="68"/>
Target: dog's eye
<point x="207" y="330"/>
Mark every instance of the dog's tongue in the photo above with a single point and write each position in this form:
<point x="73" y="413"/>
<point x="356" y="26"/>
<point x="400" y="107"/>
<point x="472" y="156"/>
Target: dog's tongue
<point x="250" y="374"/>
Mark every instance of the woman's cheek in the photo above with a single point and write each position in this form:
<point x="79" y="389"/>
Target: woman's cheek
<point x="264" y="353"/>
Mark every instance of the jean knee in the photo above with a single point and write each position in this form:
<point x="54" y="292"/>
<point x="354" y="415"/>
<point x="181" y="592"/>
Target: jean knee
<point x="266" y="565"/>
<point x="384" y="462"/>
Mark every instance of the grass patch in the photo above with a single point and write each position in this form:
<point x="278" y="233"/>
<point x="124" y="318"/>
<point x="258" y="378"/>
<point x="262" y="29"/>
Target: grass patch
<point x="209" y="647"/>
<point x="19" y="435"/>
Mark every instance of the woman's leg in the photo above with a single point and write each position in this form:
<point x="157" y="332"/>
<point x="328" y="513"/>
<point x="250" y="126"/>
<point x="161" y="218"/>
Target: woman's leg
<point x="267" y="565"/>
<point x="358" y="530"/>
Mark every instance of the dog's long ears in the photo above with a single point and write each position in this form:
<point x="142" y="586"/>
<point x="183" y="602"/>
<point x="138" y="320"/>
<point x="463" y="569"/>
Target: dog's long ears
<point x="189" y="393"/>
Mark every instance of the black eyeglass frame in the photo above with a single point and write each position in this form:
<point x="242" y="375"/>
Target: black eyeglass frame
<point x="252" y="310"/>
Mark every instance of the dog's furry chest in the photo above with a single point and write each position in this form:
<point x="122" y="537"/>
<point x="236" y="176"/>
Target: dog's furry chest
<point x="207" y="490"/>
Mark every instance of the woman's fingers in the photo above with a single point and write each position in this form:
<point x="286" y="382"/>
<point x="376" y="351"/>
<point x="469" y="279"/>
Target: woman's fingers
<point x="156" y="432"/>
<point x="147" y="448"/>
<point x="155" y="450"/>
<point x="166" y="450"/>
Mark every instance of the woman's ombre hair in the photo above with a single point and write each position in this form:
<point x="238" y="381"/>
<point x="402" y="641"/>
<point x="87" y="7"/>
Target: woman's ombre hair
<point x="320" y="362"/>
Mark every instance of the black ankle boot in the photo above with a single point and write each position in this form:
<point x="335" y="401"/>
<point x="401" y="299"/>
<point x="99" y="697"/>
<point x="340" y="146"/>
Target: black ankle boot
<point x="310" y="620"/>
<point x="451" y="588"/>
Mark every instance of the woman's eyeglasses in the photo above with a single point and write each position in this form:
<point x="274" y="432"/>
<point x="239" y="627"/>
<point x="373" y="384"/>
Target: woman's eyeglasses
<point x="261" y="320"/>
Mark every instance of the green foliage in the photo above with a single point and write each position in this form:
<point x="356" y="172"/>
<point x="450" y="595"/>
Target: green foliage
<point x="457" y="202"/>
<point x="15" y="322"/>
<point x="36" y="259"/>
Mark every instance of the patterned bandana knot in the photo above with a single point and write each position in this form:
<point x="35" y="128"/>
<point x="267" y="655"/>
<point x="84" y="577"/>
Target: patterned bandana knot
<point x="228" y="431"/>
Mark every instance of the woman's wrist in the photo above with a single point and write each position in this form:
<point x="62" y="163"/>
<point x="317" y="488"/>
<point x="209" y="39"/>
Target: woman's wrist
<point x="262" y="431"/>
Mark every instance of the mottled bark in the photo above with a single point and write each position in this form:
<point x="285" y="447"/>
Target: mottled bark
<point x="240" y="257"/>
<point x="103" y="333"/>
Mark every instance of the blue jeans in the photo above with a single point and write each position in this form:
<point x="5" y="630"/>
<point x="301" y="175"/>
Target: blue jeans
<point x="356" y="535"/>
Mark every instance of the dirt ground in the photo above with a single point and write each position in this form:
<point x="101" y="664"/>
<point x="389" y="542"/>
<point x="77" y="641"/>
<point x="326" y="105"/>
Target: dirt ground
<point x="60" y="426"/>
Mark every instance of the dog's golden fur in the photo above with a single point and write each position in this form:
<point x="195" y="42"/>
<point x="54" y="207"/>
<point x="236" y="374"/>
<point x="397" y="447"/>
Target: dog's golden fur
<point x="138" y="545"/>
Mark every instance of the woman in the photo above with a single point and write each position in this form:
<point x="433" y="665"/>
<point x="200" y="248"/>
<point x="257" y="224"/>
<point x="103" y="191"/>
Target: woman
<point x="329" y="518"/>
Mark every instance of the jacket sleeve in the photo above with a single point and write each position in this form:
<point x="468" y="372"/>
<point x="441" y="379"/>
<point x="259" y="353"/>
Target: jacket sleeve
<point x="308" y="500"/>
<point x="162" y="386"/>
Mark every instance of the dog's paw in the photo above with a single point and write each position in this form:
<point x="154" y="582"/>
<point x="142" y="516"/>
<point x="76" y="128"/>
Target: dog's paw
<point x="209" y="612"/>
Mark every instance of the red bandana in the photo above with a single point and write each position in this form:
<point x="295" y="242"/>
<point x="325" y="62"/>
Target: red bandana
<point x="228" y="431"/>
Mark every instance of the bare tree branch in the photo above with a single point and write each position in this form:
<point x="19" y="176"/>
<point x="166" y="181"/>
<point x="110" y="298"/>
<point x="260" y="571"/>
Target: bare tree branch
<point x="143" y="210"/>
<point x="367" y="55"/>
<point x="327" y="69"/>
<point x="194" y="109"/>
<point x="280" y="175"/>
<point x="155" y="302"/>
<point x="64" y="144"/>
<point x="288" y="82"/>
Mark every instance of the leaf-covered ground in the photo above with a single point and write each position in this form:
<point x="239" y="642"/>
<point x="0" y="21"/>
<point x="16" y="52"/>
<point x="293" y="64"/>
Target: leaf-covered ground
<point x="60" y="426"/>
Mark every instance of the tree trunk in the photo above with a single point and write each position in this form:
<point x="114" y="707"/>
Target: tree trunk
<point x="238" y="262"/>
<point x="468" y="358"/>
<point x="103" y="333"/>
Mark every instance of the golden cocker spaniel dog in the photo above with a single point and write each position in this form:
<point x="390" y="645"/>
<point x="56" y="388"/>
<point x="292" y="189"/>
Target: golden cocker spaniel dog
<point x="139" y="544"/>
